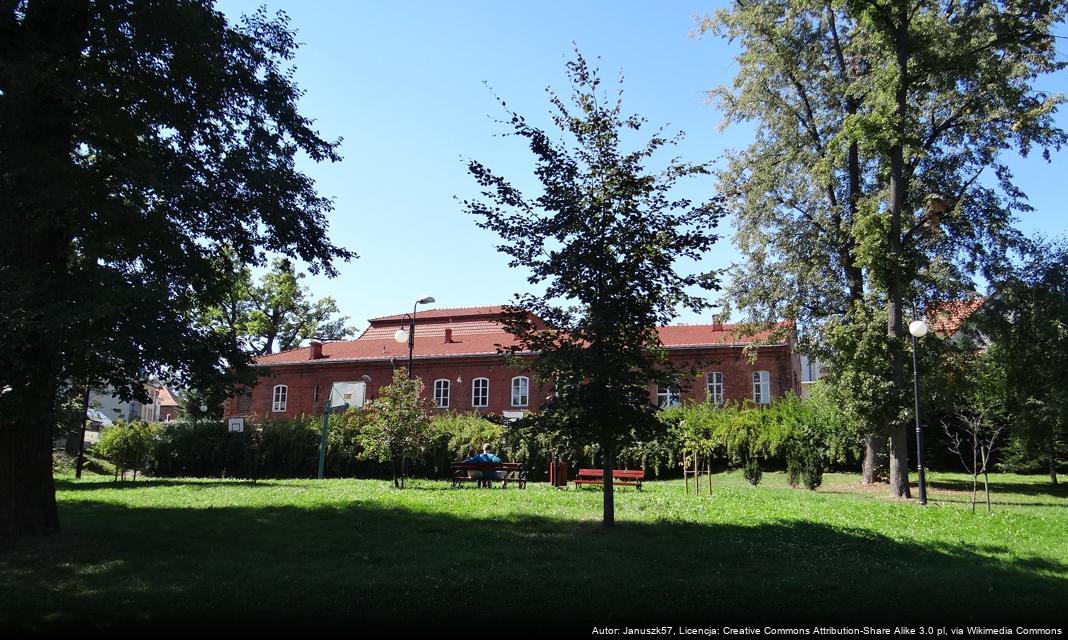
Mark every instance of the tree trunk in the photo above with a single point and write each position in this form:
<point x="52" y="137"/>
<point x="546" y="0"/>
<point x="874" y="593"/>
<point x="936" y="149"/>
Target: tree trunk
<point x="81" y="435"/>
<point x="899" y="467"/>
<point x="874" y="466"/>
<point x="1052" y="456"/>
<point x="975" y="465"/>
<point x="27" y="492"/>
<point x="609" y="519"/>
<point x="35" y="158"/>
<point x="986" y="488"/>
<point x="899" y="462"/>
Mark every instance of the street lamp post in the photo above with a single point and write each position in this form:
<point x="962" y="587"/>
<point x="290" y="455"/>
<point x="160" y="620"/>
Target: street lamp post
<point x="918" y="329"/>
<point x="401" y="335"/>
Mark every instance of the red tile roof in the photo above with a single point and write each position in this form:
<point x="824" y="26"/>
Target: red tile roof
<point x="435" y="314"/>
<point x="166" y="398"/>
<point x="949" y="317"/>
<point x="694" y="335"/>
<point x="476" y="335"/>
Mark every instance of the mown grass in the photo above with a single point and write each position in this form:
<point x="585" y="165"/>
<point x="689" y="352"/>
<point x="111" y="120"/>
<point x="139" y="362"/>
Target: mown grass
<point x="357" y="553"/>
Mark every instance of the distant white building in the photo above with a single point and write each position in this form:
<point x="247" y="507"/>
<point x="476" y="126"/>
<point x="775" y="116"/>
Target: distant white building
<point x="106" y="402"/>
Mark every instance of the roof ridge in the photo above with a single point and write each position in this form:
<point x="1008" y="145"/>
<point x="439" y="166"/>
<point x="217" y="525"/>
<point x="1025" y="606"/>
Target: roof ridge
<point x="440" y="309"/>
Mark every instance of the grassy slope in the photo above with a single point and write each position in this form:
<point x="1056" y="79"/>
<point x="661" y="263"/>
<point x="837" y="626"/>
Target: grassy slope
<point x="226" y="553"/>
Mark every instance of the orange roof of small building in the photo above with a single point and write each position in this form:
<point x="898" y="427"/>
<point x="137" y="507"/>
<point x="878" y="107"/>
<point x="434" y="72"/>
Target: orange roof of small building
<point x="949" y="317"/>
<point x="166" y="398"/>
<point x="474" y="331"/>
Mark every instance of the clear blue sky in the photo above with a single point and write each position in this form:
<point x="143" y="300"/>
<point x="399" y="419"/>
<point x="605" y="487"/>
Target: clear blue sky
<point x="402" y="83"/>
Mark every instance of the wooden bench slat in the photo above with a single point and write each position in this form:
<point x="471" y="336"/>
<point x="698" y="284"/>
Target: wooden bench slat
<point x="504" y="472"/>
<point x="620" y="477"/>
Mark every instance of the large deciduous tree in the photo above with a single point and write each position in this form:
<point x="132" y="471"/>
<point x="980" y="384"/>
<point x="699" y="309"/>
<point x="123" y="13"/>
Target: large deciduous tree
<point x="604" y="238"/>
<point x="139" y="142"/>
<point x="878" y="178"/>
<point x="1026" y="318"/>
<point x="276" y="314"/>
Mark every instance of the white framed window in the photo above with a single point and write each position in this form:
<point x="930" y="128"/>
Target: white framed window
<point x="714" y="380"/>
<point x="315" y="393"/>
<point x="761" y="387"/>
<point x="480" y="392"/>
<point x="280" y="398"/>
<point x="667" y="397"/>
<point x="441" y="393"/>
<point x="520" y="391"/>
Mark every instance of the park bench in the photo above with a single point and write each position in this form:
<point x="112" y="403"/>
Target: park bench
<point x="504" y="472"/>
<point x="620" y="477"/>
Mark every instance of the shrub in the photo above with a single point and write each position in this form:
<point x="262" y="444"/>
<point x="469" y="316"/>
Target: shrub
<point x="128" y="444"/>
<point x="62" y="462"/>
<point x="812" y="471"/>
<point x="201" y="449"/>
<point x="793" y="471"/>
<point x="752" y="471"/>
<point x="465" y="433"/>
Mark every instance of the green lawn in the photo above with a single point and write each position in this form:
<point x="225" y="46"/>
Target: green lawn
<point x="339" y="553"/>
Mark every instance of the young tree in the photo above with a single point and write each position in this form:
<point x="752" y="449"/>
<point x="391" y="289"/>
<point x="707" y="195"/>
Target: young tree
<point x="881" y="155"/>
<point x="603" y="238"/>
<point x="139" y="143"/>
<point x="397" y="424"/>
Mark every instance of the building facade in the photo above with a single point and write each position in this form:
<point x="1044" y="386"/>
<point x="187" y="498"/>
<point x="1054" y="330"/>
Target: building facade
<point x="456" y="356"/>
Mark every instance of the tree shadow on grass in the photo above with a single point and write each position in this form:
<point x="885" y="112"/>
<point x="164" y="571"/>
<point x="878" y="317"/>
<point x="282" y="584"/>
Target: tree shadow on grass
<point x="1027" y="489"/>
<point x="63" y="484"/>
<point x="368" y="564"/>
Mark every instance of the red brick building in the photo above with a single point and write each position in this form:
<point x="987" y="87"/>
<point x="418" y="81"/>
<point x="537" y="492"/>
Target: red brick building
<point x="456" y="357"/>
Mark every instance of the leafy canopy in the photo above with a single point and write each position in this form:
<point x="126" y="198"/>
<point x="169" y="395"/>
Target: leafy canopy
<point x="604" y="238"/>
<point x="276" y="314"/>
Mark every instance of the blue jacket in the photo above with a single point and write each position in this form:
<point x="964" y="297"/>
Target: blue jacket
<point x="483" y="457"/>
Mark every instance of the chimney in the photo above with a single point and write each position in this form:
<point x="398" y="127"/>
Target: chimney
<point x="717" y="321"/>
<point x="316" y="350"/>
<point x="448" y="336"/>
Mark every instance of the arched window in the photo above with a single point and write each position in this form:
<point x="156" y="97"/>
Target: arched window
<point x="480" y="392"/>
<point x="280" y="398"/>
<point x="441" y="393"/>
<point x="520" y="391"/>
<point x="715" y="387"/>
<point x="761" y="387"/>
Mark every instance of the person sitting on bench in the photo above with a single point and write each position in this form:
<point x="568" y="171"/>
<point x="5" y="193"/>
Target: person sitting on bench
<point x="484" y="477"/>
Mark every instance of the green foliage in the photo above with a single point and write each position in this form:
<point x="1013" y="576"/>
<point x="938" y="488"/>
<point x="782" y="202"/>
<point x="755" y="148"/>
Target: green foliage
<point x="606" y="235"/>
<point x="277" y="314"/>
<point x="149" y="151"/>
<point x="1026" y="319"/>
<point x="201" y="449"/>
<point x="862" y="189"/>
<point x="464" y="433"/>
<point x="397" y="424"/>
<point x="808" y="434"/>
<point x="128" y="444"/>
<point x="793" y="472"/>
<point x="275" y="449"/>
<point x="62" y="462"/>
<point x="812" y="470"/>
<point x="752" y="471"/>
